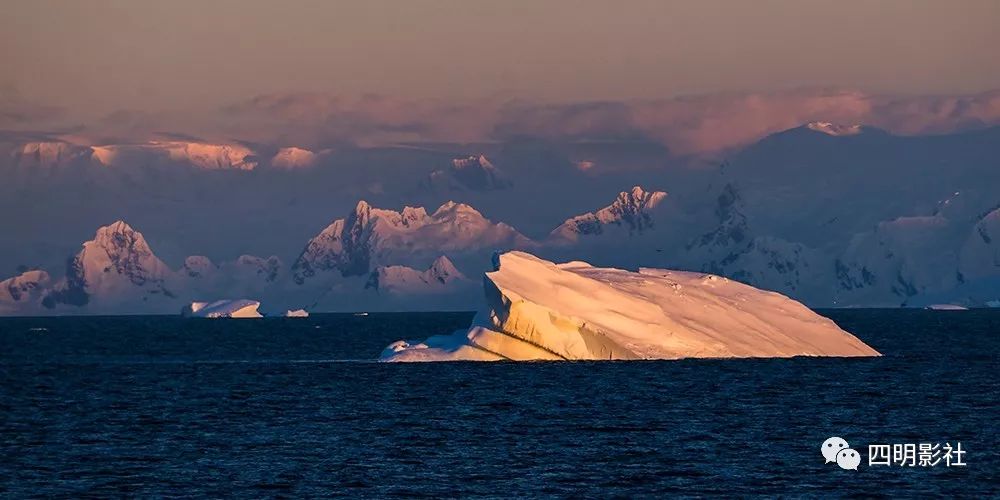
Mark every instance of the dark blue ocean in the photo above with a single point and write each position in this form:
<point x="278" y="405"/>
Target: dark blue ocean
<point x="164" y="406"/>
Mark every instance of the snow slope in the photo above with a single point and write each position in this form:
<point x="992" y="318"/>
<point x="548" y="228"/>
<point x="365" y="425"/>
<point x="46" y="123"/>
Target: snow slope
<point x="536" y="309"/>
<point x="980" y="254"/>
<point x="899" y="259"/>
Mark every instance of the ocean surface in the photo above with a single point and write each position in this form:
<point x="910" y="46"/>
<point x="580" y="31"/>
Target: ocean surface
<point x="164" y="406"/>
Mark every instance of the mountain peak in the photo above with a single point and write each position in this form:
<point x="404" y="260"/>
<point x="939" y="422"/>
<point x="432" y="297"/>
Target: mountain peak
<point x="472" y="161"/>
<point x="118" y="225"/>
<point x="631" y="209"/>
<point x="116" y="261"/>
<point x="439" y="277"/>
<point x="473" y="172"/>
<point x="118" y="235"/>
<point x="362" y="206"/>
<point x="642" y="197"/>
<point x="370" y="236"/>
<point x="118" y="239"/>
<point x="443" y="266"/>
<point x="293" y="157"/>
<point x="23" y="288"/>
<point x="835" y="129"/>
<point x="455" y="207"/>
<point x="635" y="201"/>
<point x="411" y="214"/>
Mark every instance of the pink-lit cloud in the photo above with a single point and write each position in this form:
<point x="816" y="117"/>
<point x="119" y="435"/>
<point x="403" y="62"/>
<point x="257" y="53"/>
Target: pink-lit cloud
<point x="700" y="124"/>
<point x="688" y="125"/>
<point x="18" y="112"/>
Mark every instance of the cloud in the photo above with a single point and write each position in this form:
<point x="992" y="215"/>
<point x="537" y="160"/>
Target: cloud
<point x="701" y="124"/>
<point x="687" y="125"/>
<point x="716" y="122"/>
<point x="938" y="114"/>
<point x="575" y="122"/>
<point x="16" y="112"/>
<point x="315" y="119"/>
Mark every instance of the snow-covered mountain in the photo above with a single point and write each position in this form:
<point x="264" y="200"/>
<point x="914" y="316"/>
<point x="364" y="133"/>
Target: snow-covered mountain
<point x="474" y="173"/>
<point x="117" y="272"/>
<point x="369" y="237"/>
<point x="117" y="267"/>
<point x="732" y="249"/>
<point x="247" y="275"/>
<point x="835" y="129"/>
<point x="209" y="156"/>
<point x="979" y="257"/>
<point x="201" y="155"/>
<point x="22" y="293"/>
<point x="642" y="228"/>
<point x="292" y="158"/>
<point x="632" y="212"/>
<point x="441" y="277"/>
<point x="57" y="153"/>
<point x="899" y="259"/>
<point x="49" y="154"/>
<point x="831" y="215"/>
<point x="732" y="229"/>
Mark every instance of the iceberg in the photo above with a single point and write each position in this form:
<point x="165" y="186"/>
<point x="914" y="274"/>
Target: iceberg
<point x="947" y="307"/>
<point x="230" y="308"/>
<point x="298" y="313"/>
<point x="539" y="310"/>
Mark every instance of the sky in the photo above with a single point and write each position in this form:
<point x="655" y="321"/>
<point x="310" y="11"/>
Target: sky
<point x="96" y="57"/>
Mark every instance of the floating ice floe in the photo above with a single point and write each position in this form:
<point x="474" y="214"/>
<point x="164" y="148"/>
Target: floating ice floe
<point x="538" y="310"/>
<point x="298" y="313"/>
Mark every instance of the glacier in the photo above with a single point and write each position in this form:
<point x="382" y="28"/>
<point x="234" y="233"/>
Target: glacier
<point x="538" y="310"/>
<point x="228" y="308"/>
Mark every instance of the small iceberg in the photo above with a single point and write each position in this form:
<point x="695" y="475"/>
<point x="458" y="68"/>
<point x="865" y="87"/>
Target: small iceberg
<point x="298" y="313"/>
<point x="539" y="310"/>
<point x="228" y="308"/>
<point x="947" y="307"/>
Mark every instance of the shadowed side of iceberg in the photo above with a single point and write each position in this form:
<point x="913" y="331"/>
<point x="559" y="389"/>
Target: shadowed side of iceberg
<point x="538" y="310"/>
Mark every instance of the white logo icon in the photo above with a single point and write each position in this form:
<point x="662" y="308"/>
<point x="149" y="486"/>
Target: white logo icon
<point x="849" y="458"/>
<point x="833" y="446"/>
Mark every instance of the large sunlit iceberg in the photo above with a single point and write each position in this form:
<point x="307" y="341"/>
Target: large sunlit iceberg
<point x="538" y="310"/>
<point x="238" y="308"/>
